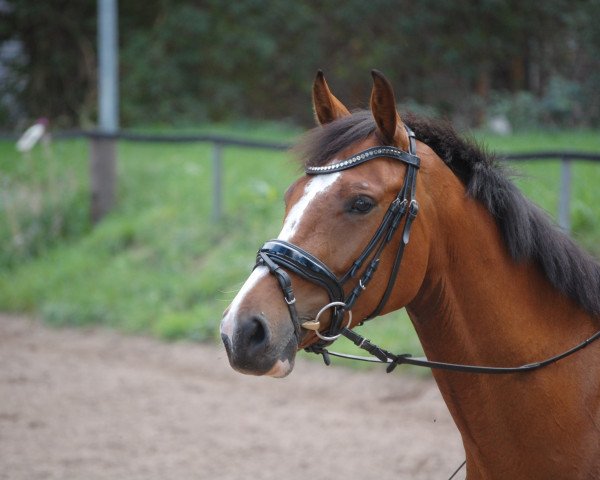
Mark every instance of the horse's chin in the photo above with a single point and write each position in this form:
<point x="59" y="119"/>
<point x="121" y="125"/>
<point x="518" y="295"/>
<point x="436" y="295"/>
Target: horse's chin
<point x="284" y="365"/>
<point x="275" y="362"/>
<point x="282" y="368"/>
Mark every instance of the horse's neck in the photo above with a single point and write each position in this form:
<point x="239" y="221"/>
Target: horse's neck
<point x="496" y="310"/>
<point x="478" y="306"/>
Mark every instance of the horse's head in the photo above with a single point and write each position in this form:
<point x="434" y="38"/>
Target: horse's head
<point x="345" y="227"/>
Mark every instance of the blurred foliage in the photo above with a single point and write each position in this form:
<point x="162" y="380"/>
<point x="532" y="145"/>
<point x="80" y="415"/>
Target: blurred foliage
<point x="186" y="61"/>
<point x="44" y="199"/>
<point x="561" y="105"/>
<point x="54" y="73"/>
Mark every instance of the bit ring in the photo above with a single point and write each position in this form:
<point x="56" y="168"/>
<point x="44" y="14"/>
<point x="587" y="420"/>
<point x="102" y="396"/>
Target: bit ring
<point x="325" y="308"/>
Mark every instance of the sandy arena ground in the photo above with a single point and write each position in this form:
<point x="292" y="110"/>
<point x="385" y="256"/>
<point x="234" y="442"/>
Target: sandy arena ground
<point x="95" y="404"/>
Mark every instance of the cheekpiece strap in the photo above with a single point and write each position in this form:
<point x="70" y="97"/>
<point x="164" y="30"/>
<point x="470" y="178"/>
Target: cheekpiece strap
<point x="365" y="156"/>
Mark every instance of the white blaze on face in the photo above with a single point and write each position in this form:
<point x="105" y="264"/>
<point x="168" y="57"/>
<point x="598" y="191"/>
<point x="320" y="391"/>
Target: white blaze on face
<point x="227" y="324"/>
<point x="315" y="187"/>
<point x="318" y="185"/>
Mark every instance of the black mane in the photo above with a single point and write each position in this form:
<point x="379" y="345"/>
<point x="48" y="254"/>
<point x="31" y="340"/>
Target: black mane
<point x="528" y="232"/>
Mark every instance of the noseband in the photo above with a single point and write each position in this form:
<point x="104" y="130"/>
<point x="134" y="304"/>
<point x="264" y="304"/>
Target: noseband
<point x="279" y="256"/>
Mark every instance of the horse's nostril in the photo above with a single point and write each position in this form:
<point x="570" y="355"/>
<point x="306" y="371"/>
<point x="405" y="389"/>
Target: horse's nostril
<point x="255" y="333"/>
<point x="259" y="334"/>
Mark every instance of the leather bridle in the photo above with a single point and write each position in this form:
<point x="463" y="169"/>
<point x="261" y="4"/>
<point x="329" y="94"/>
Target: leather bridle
<point x="279" y="256"/>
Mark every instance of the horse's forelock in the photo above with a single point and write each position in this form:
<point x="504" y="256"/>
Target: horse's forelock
<point x="322" y="143"/>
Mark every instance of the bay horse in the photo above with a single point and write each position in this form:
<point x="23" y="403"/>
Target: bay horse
<point x="486" y="279"/>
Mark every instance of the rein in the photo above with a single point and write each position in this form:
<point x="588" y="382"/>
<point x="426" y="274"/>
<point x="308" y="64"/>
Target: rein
<point x="380" y="355"/>
<point x="279" y="256"/>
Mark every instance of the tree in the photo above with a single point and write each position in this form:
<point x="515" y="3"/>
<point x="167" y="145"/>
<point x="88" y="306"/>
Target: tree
<point x="58" y="71"/>
<point x="186" y="61"/>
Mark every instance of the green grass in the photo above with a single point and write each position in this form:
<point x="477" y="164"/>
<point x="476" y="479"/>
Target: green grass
<point x="159" y="264"/>
<point x="43" y="199"/>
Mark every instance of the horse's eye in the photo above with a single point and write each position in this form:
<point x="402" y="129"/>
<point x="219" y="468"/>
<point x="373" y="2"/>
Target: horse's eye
<point x="362" y="205"/>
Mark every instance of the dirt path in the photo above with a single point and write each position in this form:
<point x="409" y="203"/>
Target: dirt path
<point x="97" y="405"/>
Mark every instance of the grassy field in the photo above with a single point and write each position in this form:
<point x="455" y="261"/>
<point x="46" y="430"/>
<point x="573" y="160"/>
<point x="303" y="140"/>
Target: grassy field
<point x="158" y="263"/>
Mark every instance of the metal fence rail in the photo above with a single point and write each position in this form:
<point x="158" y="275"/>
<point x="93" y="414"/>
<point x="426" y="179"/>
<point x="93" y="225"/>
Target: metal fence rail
<point x="220" y="142"/>
<point x="566" y="158"/>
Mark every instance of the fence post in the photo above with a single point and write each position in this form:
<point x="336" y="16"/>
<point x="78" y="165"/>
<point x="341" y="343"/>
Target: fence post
<point x="103" y="148"/>
<point x="217" y="190"/>
<point x="103" y="173"/>
<point x="564" y="205"/>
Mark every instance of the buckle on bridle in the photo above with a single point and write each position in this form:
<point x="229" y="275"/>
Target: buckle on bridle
<point x="290" y="301"/>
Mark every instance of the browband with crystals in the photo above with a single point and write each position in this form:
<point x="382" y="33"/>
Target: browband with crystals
<point x="389" y="152"/>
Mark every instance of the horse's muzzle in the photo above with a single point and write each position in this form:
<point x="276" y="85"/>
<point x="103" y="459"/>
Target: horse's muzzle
<point x="252" y="346"/>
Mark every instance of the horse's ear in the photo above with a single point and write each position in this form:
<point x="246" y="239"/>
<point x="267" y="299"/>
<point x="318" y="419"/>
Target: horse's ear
<point x="383" y="107"/>
<point x="327" y="107"/>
